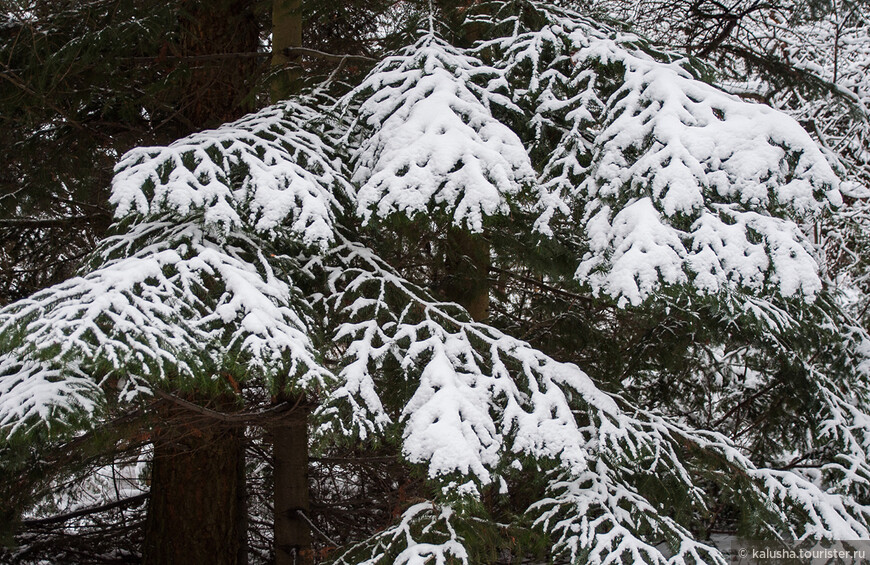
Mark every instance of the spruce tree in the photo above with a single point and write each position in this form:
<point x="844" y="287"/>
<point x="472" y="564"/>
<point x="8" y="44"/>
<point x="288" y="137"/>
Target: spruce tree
<point x="636" y="220"/>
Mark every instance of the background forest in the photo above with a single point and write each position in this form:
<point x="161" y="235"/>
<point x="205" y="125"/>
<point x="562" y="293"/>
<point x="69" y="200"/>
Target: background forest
<point x="431" y="282"/>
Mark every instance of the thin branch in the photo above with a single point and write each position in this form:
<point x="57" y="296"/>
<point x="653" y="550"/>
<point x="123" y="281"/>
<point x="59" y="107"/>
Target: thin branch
<point x="85" y="511"/>
<point x="360" y="460"/>
<point x="542" y="285"/>
<point x="47" y="222"/>
<point x="291" y="51"/>
<point x="746" y="402"/>
<point x="208" y="57"/>
<point x="234" y="417"/>
<point x="316" y="529"/>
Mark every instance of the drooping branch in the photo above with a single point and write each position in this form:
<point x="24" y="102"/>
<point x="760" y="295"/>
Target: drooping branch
<point x="275" y="411"/>
<point x="332" y="57"/>
<point x="60" y="518"/>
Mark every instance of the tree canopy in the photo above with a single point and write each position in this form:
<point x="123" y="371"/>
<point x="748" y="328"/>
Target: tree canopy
<point x="589" y="301"/>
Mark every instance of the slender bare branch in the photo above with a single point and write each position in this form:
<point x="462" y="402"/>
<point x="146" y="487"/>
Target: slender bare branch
<point x="290" y="51"/>
<point x="60" y="518"/>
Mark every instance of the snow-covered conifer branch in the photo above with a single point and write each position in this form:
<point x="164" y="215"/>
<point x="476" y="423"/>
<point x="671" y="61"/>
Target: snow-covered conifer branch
<point x="172" y="314"/>
<point x="244" y="252"/>
<point x="482" y="400"/>
<point x="268" y="171"/>
<point x="427" y="138"/>
<point x="425" y="534"/>
<point x="595" y="520"/>
<point x="677" y="182"/>
<point x="40" y="397"/>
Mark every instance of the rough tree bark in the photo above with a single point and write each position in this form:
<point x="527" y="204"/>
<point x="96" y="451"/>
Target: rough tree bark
<point x="465" y="267"/>
<point x="216" y="90"/>
<point x="289" y="437"/>
<point x="196" y="511"/>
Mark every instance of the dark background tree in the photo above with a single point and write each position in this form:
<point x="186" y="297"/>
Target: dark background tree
<point x="83" y="82"/>
<point x="80" y="84"/>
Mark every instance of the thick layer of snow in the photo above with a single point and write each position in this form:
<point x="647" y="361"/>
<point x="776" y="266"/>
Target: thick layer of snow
<point x="268" y="170"/>
<point x="428" y="139"/>
<point x="686" y="184"/>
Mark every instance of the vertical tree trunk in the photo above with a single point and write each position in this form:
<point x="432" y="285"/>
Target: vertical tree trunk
<point x="196" y="507"/>
<point x="290" y="435"/>
<point x="466" y="265"/>
<point x="286" y="32"/>
<point x="217" y="91"/>
<point x="291" y="496"/>
<point x="242" y="504"/>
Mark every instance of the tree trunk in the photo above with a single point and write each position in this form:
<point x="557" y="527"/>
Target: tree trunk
<point x="465" y="266"/>
<point x="286" y="32"/>
<point x="289" y="436"/>
<point x="218" y="90"/>
<point x="291" y="496"/>
<point x="197" y="506"/>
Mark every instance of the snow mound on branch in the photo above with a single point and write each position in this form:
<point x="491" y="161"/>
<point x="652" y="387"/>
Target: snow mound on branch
<point x="430" y="139"/>
<point x="267" y="170"/>
<point x="34" y="394"/>
<point x="178" y="307"/>
<point x="448" y="422"/>
<point x="712" y="180"/>
<point x="696" y="141"/>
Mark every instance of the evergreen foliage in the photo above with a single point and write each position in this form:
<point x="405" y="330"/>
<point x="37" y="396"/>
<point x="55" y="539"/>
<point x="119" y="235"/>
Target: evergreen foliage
<point x="84" y="82"/>
<point x="641" y="223"/>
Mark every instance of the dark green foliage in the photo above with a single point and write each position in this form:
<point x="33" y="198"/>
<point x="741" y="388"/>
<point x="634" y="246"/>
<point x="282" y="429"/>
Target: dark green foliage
<point x="83" y="82"/>
<point x="768" y="373"/>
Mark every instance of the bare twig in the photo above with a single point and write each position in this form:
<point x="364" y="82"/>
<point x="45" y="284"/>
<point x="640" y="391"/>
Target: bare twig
<point x="542" y="285"/>
<point x="85" y="511"/>
<point x="315" y="528"/>
<point x="208" y="57"/>
<point x="233" y="417"/>
<point x="290" y="51"/>
<point x="47" y="222"/>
